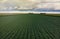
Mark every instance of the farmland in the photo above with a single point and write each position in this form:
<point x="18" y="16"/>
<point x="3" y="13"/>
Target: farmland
<point x="29" y="26"/>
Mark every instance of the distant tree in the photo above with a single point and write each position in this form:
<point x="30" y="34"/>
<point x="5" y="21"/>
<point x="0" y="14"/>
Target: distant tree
<point x="42" y="13"/>
<point x="30" y="13"/>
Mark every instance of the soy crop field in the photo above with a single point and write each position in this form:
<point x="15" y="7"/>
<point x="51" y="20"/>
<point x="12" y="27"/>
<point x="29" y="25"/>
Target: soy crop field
<point x="29" y="26"/>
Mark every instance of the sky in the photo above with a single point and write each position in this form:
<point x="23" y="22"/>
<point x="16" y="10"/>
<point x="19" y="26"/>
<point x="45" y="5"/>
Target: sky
<point x="22" y="4"/>
<point x="29" y="4"/>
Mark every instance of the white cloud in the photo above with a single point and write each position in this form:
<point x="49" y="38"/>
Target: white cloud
<point x="24" y="4"/>
<point x="2" y="1"/>
<point x="28" y="4"/>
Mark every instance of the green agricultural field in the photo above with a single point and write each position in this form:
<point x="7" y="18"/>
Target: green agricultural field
<point x="29" y="26"/>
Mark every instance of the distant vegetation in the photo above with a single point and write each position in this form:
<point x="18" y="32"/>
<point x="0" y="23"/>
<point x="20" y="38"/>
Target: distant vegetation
<point x="57" y="15"/>
<point x="7" y="14"/>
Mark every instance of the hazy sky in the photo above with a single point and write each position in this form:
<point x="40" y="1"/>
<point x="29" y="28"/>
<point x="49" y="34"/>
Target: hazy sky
<point x="28" y="4"/>
<point x="18" y="3"/>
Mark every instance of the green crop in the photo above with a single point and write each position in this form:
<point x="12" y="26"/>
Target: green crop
<point x="29" y="26"/>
